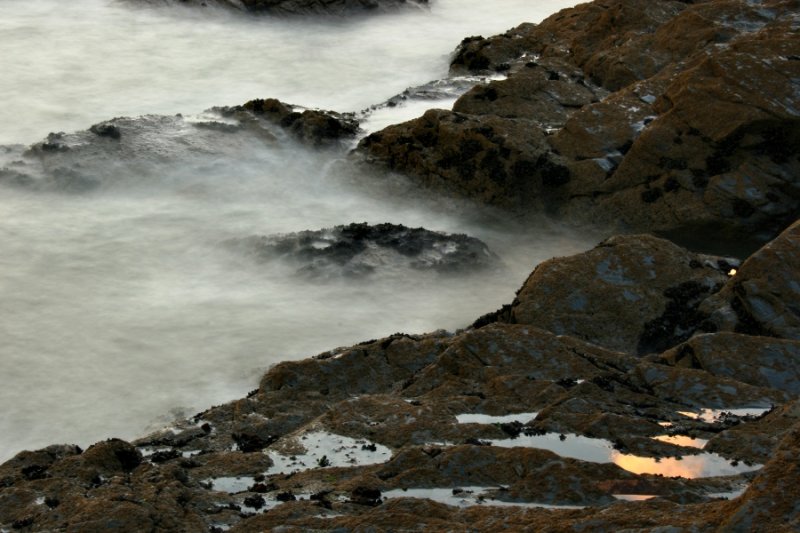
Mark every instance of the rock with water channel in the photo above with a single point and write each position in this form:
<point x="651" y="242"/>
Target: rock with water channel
<point x="360" y="249"/>
<point x="671" y="116"/>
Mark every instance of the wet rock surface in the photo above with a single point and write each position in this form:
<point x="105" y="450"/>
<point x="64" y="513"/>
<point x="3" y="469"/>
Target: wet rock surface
<point x="671" y="116"/>
<point x="359" y="250"/>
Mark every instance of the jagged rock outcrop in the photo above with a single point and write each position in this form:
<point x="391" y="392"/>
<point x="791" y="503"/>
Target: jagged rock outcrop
<point x="360" y="249"/>
<point x="311" y="126"/>
<point x="700" y="132"/>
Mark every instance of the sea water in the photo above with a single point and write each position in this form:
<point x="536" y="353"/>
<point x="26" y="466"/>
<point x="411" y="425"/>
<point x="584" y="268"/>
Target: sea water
<point x="122" y="308"/>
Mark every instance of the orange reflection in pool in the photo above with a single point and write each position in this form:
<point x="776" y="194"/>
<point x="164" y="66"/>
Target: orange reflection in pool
<point x="682" y="440"/>
<point x="688" y="467"/>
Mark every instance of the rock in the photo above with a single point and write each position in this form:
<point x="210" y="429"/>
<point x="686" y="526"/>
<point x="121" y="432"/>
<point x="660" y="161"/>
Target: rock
<point x="634" y="294"/>
<point x="546" y="91"/>
<point x="760" y="361"/>
<point x="497" y="161"/>
<point x="299" y="7"/>
<point x="309" y="126"/>
<point x="699" y="135"/>
<point x="358" y="250"/>
<point x="769" y="504"/>
<point x="617" y="343"/>
<point x="756" y="439"/>
<point x="762" y="298"/>
<point x="135" y="148"/>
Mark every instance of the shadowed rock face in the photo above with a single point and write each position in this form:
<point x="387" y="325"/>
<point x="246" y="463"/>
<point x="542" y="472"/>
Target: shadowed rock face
<point x="298" y="7"/>
<point x="673" y="117"/>
<point x="358" y="250"/>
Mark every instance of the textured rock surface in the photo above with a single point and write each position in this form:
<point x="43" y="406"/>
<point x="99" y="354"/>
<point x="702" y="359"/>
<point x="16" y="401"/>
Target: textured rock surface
<point x="698" y="134"/>
<point x="761" y="361"/>
<point x="634" y="294"/>
<point x="358" y="250"/>
<point x="763" y="298"/>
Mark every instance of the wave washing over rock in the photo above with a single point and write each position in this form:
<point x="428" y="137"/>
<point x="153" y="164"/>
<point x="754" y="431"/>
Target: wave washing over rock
<point x="359" y="250"/>
<point x="638" y="386"/>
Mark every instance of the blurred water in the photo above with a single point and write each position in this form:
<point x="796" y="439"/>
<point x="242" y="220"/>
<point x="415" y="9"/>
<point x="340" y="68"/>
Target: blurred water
<point x="121" y="308"/>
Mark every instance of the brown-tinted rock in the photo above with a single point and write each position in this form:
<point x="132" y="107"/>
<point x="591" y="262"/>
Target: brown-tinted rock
<point x="762" y="298"/>
<point x="757" y="438"/>
<point x="634" y="294"/>
<point x="498" y="161"/>
<point x="760" y="361"/>
<point x="699" y="137"/>
<point x="546" y="91"/>
<point x="769" y="504"/>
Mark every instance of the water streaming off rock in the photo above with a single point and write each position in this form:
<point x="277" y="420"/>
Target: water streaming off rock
<point x="120" y="305"/>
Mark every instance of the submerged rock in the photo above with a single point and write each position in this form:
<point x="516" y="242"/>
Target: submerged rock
<point x="298" y="7"/>
<point x="309" y="126"/>
<point x="135" y="148"/>
<point x="358" y="250"/>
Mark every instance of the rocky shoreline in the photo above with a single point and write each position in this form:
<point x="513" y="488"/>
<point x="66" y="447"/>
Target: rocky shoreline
<point x="639" y="386"/>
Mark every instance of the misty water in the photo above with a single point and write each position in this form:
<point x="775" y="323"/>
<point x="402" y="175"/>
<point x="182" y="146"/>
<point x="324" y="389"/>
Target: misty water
<point x="121" y="307"/>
